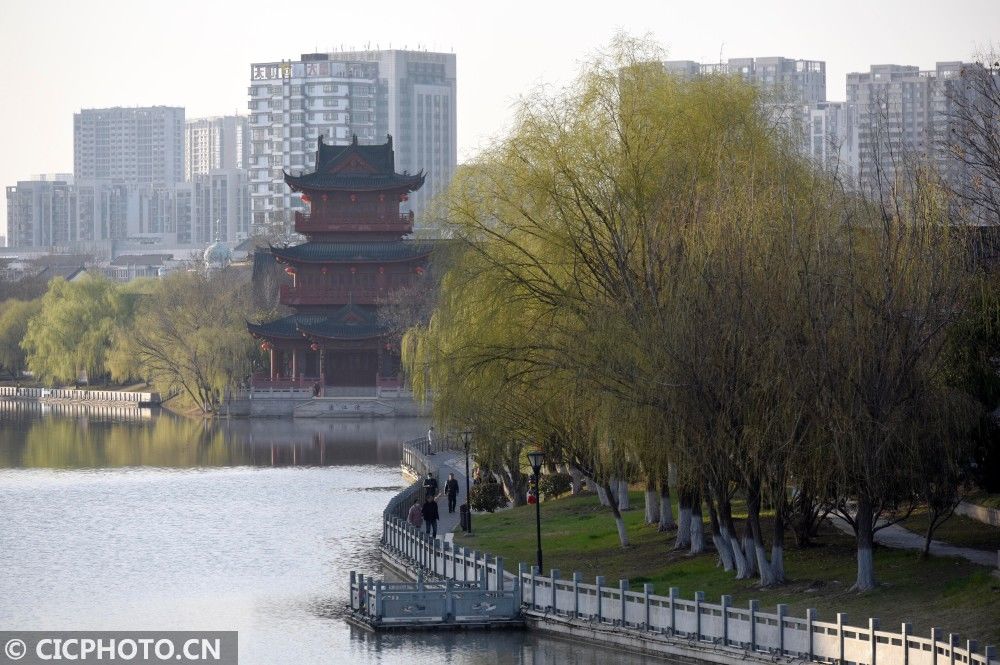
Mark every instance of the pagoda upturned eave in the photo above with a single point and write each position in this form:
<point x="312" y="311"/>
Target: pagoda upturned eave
<point x="399" y="251"/>
<point x="330" y="182"/>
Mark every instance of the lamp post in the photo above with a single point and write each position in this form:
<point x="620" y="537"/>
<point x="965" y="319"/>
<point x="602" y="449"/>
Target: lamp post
<point x="535" y="458"/>
<point x="466" y="437"/>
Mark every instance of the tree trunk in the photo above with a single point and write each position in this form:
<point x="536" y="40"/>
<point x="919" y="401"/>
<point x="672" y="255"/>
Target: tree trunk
<point x="666" y="509"/>
<point x="624" y="503"/>
<point x="928" y="536"/>
<point x="718" y="537"/>
<point x="652" y="503"/>
<point x="602" y="494"/>
<point x="778" y="545"/>
<point x="619" y="522"/>
<point x="577" y="476"/>
<point x="697" y="526"/>
<point x="864" y="521"/>
<point x="749" y="551"/>
<point x="729" y="531"/>
<point x="753" y="519"/>
<point x="683" y="539"/>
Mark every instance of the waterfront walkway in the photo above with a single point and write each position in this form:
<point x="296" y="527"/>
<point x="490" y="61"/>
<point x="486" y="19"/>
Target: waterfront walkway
<point x="448" y="461"/>
<point x="898" y="537"/>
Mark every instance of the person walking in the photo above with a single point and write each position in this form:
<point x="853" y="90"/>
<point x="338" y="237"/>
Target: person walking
<point x="430" y="515"/>
<point x="451" y="489"/>
<point x="430" y="485"/>
<point x="416" y="515"/>
<point x="430" y="440"/>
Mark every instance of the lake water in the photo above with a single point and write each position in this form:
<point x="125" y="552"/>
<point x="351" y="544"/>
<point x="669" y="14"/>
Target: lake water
<point x="155" y="522"/>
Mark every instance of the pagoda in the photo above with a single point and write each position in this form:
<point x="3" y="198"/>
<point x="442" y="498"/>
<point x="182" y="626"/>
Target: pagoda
<point x="354" y="257"/>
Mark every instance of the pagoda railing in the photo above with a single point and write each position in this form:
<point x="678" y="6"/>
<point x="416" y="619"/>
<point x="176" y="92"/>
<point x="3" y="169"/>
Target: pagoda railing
<point x="401" y="224"/>
<point x="296" y="296"/>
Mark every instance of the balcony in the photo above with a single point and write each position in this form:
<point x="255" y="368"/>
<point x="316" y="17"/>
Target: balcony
<point x="401" y="224"/>
<point x="303" y="296"/>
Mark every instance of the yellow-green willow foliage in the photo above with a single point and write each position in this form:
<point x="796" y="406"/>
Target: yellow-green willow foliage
<point x="653" y="276"/>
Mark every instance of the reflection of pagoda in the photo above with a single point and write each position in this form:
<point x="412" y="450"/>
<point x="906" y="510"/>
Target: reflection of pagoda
<point x="355" y="256"/>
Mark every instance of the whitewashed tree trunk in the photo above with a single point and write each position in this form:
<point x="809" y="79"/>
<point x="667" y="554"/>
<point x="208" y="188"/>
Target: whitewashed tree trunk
<point x="683" y="540"/>
<point x="864" y="524"/>
<point x="602" y="494"/>
<point x="725" y="552"/>
<point x="619" y="522"/>
<point x="778" y="562"/>
<point x="577" y="480"/>
<point x="624" y="503"/>
<point x="652" y="498"/>
<point x="736" y="550"/>
<point x="666" y="510"/>
<point x="697" y="528"/>
<point x="763" y="567"/>
<point x="749" y="553"/>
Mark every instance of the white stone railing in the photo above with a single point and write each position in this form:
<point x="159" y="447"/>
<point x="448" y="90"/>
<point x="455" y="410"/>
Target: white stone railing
<point x="714" y="624"/>
<point x="81" y="395"/>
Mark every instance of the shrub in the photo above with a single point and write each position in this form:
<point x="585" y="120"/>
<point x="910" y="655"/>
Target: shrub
<point x="487" y="497"/>
<point x="553" y="485"/>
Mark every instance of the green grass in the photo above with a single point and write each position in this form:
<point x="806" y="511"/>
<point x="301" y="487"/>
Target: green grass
<point x="957" y="530"/>
<point x="579" y="535"/>
<point x="986" y="500"/>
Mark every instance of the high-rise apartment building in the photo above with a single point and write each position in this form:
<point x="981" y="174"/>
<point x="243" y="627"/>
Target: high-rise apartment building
<point x="42" y="212"/>
<point x="210" y="144"/>
<point x="786" y="80"/>
<point x="369" y="94"/>
<point x="143" y="146"/>
<point x="830" y="137"/>
<point x="903" y="115"/>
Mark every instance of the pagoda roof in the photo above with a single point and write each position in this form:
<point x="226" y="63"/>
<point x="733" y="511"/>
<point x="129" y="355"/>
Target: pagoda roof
<point x="354" y="252"/>
<point x="350" y="322"/>
<point x="354" y="167"/>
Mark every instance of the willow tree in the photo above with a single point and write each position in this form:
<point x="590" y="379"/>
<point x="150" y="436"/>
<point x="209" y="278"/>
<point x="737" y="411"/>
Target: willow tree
<point x="73" y="333"/>
<point x="189" y="337"/>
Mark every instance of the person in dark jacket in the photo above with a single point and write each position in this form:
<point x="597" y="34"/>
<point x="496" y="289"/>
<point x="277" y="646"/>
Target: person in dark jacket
<point x="430" y="513"/>
<point x="451" y="489"/>
<point x="430" y="486"/>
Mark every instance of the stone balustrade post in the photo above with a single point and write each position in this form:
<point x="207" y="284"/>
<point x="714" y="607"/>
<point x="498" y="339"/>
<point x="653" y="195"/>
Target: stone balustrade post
<point x="577" y="578"/>
<point x="873" y="624"/>
<point x="810" y="620"/>
<point x="500" y="578"/>
<point x="936" y="634"/>
<point x="534" y="588"/>
<point x="672" y="595"/>
<point x="554" y="577"/>
<point x="726" y="600"/>
<point x="905" y="630"/>
<point x="622" y="590"/>
<point x="699" y="596"/>
<point x="952" y="643"/>
<point x="782" y="610"/>
<point x="599" y="583"/>
<point x="647" y="590"/>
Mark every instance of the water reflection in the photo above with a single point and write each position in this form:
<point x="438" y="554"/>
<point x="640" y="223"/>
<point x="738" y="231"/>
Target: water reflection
<point x="153" y="522"/>
<point x="36" y="436"/>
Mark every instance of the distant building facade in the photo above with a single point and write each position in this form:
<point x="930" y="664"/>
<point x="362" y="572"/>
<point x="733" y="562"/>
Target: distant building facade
<point x="369" y="94"/>
<point x="95" y="213"/>
<point x="786" y="80"/>
<point x="211" y="144"/>
<point x="903" y="113"/>
<point x="142" y="146"/>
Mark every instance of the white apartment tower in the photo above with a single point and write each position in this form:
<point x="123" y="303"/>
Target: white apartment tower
<point x="786" y="80"/>
<point x="142" y="146"/>
<point x="210" y="144"/>
<point x="902" y="116"/>
<point x="407" y="94"/>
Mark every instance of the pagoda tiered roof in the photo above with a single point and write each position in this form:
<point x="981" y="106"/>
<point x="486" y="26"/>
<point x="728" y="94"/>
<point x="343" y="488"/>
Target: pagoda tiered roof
<point x="350" y="322"/>
<point x="354" y="252"/>
<point x="354" y="167"/>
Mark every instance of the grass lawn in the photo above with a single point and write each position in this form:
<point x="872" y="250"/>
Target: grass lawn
<point x="957" y="530"/>
<point x="986" y="500"/>
<point x="579" y="535"/>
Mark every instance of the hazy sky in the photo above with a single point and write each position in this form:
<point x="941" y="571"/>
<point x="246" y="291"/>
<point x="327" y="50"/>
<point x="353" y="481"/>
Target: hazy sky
<point x="62" y="55"/>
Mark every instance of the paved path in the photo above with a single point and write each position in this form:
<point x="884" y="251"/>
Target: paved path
<point x="898" y="537"/>
<point x="447" y="462"/>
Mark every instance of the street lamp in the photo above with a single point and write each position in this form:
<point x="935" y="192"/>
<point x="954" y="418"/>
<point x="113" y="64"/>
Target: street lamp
<point x="535" y="458"/>
<point x="466" y="437"/>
